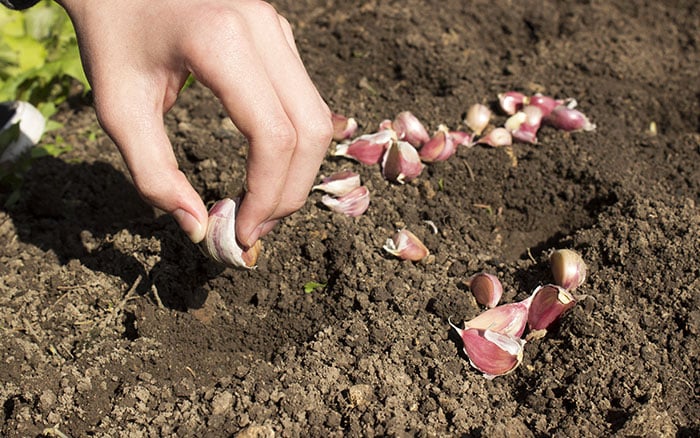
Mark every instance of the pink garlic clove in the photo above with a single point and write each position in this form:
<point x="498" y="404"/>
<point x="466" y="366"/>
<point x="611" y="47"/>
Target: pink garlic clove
<point x="462" y="138"/>
<point x="406" y="246"/>
<point x="569" y="119"/>
<point x="568" y="268"/>
<point x="409" y="128"/>
<point x="524" y="124"/>
<point x="339" y="183"/>
<point x="401" y="162"/>
<point x="220" y="241"/>
<point x="386" y="124"/>
<point x="512" y="101"/>
<point x="509" y="319"/>
<point x="351" y="204"/>
<point x="368" y="148"/>
<point x="549" y="302"/>
<point x="494" y="354"/>
<point x="545" y="103"/>
<point x="497" y="137"/>
<point x="343" y="127"/>
<point x="440" y="147"/>
<point x="478" y="118"/>
<point x="487" y="289"/>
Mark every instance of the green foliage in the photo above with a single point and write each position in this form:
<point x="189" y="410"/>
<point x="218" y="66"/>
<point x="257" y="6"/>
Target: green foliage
<point x="311" y="286"/>
<point x="39" y="63"/>
<point x="39" y="58"/>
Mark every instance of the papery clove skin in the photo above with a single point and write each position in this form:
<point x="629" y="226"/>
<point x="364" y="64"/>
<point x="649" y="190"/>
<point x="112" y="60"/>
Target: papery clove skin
<point x="478" y="118"/>
<point x="352" y="204"/>
<point x="512" y="101"/>
<point x="339" y="183"/>
<point x="524" y="124"/>
<point x="569" y="119"/>
<point x="568" y="268"/>
<point x="549" y="302"/>
<point x="343" y="127"/>
<point x="497" y="137"/>
<point x="409" y="128"/>
<point x="487" y="289"/>
<point x="401" y="162"/>
<point x="220" y="240"/>
<point x="509" y="319"/>
<point x="368" y="148"/>
<point x="494" y="354"/>
<point x="440" y="147"/>
<point x="406" y="246"/>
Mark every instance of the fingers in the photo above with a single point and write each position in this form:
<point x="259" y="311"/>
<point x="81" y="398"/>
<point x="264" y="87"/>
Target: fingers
<point x="258" y="76"/>
<point x="134" y="121"/>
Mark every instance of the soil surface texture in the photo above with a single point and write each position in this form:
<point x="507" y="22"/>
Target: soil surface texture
<point x="113" y="324"/>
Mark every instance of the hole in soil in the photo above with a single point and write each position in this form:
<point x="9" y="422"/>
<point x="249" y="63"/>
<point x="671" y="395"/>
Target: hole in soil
<point x="616" y="418"/>
<point x="130" y="331"/>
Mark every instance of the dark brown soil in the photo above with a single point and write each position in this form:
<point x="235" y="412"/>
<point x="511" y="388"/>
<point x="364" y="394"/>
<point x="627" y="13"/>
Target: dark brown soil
<point x="113" y="324"/>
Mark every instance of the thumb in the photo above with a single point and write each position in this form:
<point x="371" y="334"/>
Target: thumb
<point x="146" y="149"/>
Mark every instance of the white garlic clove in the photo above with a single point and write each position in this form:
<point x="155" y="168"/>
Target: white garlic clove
<point x="220" y="241"/>
<point x="478" y="118"/>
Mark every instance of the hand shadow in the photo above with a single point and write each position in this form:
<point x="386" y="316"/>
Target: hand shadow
<point x="79" y="211"/>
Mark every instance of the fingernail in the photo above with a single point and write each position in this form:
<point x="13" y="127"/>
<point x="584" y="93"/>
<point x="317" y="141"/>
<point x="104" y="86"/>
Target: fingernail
<point x="191" y="226"/>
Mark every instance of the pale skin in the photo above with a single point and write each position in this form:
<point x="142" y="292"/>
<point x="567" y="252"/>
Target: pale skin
<point x="137" y="55"/>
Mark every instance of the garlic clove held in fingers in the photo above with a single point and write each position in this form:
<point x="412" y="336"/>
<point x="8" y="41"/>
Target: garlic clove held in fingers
<point x="220" y="242"/>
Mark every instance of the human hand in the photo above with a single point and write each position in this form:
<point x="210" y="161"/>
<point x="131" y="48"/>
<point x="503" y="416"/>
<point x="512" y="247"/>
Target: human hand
<point x="137" y="55"/>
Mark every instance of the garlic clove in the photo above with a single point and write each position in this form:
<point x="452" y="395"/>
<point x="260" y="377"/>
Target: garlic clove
<point x="343" y="127"/>
<point x="497" y="137"/>
<point x="409" y="128"/>
<point x="511" y="101"/>
<point x="549" y="302"/>
<point x="509" y="319"/>
<point x="569" y="119"/>
<point x="386" y="124"/>
<point x="544" y="103"/>
<point x="440" y="147"/>
<point x="568" y="268"/>
<point x="401" y="162"/>
<point x="462" y="138"/>
<point x="220" y="241"/>
<point x="478" y="118"/>
<point x="487" y="289"/>
<point x="524" y="124"/>
<point x="406" y="246"/>
<point x="339" y="184"/>
<point x="368" y="148"/>
<point x="351" y="204"/>
<point x="494" y="354"/>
